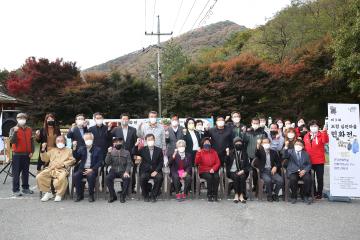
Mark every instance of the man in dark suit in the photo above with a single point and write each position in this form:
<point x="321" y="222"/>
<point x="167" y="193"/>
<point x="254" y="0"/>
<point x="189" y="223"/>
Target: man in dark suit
<point x="269" y="166"/>
<point x="91" y="158"/>
<point x="173" y="134"/>
<point x="129" y="136"/>
<point x="77" y="131"/>
<point x="152" y="161"/>
<point x="299" y="167"/>
<point x="102" y="136"/>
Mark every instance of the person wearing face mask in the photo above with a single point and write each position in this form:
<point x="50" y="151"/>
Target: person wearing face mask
<point x="290" y="137"/>
<point x="298" y="168"/>
<point x="280" y="124"/>
<point x="60" y="160"/>
<point x="263" y="123"/>
<point x="77" y="131"/>
<point x="152" y="162"/>
<point x="47" y="134"/>
<point x="287" y="125"/>
<point x="222" y="138"/>
<point x="120" y="163"/>
<point x="315" y="141"/>
<point x="129" y="136"/>
<point x="237" y="127"/>
<point x="155" y="128"/>
<point x="270" y="169"/>
<point x="251" y="138"/>
<point x="101" y="133"/>
<point x="208" y="163"/>
<point x="191" y="138"/>
<point x="22" y="146"/>
<point x="301" y="129"/>
<point x="174" y="133"/>
<point x="237" y="169"/>
<point x="90" y="159"/>
<point x="276" y="137"/>
<point x="180" y="165"/>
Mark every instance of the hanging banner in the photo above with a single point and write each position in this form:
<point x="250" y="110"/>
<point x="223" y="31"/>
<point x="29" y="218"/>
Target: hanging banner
<point x="344" y="134"/>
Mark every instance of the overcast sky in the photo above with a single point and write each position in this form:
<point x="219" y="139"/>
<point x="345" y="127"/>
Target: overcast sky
<point x="91" y="32"/>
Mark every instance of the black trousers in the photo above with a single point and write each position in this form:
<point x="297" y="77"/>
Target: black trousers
<point x="144" y="178"/>
<point x="109" y="181"/>
<point x="91" y="179"/>
<point x="239" y="182"/>
<point x="212" y="180"/>
<point x="294" y="186"/>
<point x="319" y="174"/>
<point x="20" y="164"/>
<point x="177" y="183"/>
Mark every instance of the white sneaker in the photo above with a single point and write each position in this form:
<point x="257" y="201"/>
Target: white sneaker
<point x="57" y="198"/>
<point x="47" y="196"/>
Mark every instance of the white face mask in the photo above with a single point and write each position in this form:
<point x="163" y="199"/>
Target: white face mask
<point x="181" y="149"/>
<point x="152" y="120"/>
<point x="314" y="129"/>
<point x="262" y="124"/>
<point x="298" y="148"/>
<point x="255" y="126"/>
<point x="266" y="146"/>
<point x="124" y="123"/>
<point x="236" y="119"/>
<point x="280" y="125"/>
<point x="21" y="122"/>
<point x="287" y="126"/>
<point x="150" y="143"/>
<point x="220" y="123"/>
<point x="80" y="122"/>
<point x="291" y="135"/>
<point x="89" y="142"/>
<point x="199" y="128"/>
<point x="99" y="121"/>
<point x="60" y="145"/>
<point x="299" y="124"/>
<point x="174" y="123"/>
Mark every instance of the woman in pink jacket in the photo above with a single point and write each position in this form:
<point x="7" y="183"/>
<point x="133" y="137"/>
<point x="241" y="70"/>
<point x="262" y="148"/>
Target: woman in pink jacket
<point x="315" y="141"/>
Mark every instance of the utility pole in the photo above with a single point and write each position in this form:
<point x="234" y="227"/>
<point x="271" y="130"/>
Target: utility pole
<point x="158" y="34"/>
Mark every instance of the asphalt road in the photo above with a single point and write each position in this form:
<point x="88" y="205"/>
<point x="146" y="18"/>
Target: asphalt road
<point x="28" y="218"/>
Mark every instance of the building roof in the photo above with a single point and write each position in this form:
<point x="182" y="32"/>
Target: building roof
<point x="4" y="98"/>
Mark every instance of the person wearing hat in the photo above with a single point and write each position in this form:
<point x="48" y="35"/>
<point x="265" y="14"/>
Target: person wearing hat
<point x="120" y="163"/>
<point x="22" y="150"/>
<point x="237" y="168"/>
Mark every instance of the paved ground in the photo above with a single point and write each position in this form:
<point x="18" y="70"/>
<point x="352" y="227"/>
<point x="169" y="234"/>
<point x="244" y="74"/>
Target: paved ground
<point x="28" y="218"/>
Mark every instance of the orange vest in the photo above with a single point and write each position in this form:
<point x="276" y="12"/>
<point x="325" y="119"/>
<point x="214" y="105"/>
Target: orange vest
<point x="23" y="144"/>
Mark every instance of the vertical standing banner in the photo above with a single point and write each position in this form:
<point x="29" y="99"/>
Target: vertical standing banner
<point x="344" y="134"/>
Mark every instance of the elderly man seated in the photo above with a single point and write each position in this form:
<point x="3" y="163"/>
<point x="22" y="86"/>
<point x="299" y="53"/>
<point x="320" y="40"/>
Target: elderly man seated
<point x="59" y="159"/>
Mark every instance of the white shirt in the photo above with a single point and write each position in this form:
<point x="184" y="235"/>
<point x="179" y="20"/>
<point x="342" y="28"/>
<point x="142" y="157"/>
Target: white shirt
<point x="125" y="132"/>
<point x="194" y="140"/>
<point x="88" y="159"/>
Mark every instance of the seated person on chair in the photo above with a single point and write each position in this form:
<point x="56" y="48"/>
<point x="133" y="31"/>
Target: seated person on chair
<point x="237" y="169"/>
<point x="152" y="161"/>
<point x="181" y="169"/>
<point x="90" y="158"/>
<point x="60" y="159"/>
<point x="298" y="168"/>
<point x="120" y="163"/>
<point x="270" y="167"/>
<point x="208" y="162"/>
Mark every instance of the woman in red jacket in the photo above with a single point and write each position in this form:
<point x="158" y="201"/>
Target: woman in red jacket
<point x="209" y="163"/>
<point x="315" y="141"/>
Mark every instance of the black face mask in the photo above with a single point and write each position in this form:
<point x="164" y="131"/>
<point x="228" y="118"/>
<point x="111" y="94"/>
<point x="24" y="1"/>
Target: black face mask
<point x="238" y="147"/>
<point x="51" y="123"/>
<point x="118" y="146"/>
<point x="273" y="133"/>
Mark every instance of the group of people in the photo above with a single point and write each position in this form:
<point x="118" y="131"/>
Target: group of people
<point x="109" y="151"/>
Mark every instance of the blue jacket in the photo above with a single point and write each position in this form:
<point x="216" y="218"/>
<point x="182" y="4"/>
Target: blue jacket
<point x="96" y="157"/>
<point x="294" y="165"/>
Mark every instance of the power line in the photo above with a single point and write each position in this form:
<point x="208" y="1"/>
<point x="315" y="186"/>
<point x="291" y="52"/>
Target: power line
<point x="187" y="16"/>
<point x="208" y="12"/>
<point x="177" y="15"/>
<point x="200" y="14"/>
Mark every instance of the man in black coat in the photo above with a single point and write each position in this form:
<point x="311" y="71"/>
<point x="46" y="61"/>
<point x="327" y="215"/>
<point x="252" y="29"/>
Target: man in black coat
<point x="152" y="161"/>
<point x="77" y="131"/>
<point x="270" y="169"/>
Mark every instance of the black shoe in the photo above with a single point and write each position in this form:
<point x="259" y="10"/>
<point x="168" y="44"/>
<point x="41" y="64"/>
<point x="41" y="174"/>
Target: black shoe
<point x="307" y="201"/>
<point x="275" y="198"/>
<point x="112" y="199"/>
<point x="153" y="199"/>
<point x="269" y="198"/>
<point x="79" y="198"/>
<point x="91" y="198"/>
<point x="210" y="199"/>
<point x="122" y="198"/>
<point x="146" y="199"/>
<point x="236" y="200"/>
<point x="27" y="191"/>
<point x="215" y="199"/>
<point x="293" y="200"/>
